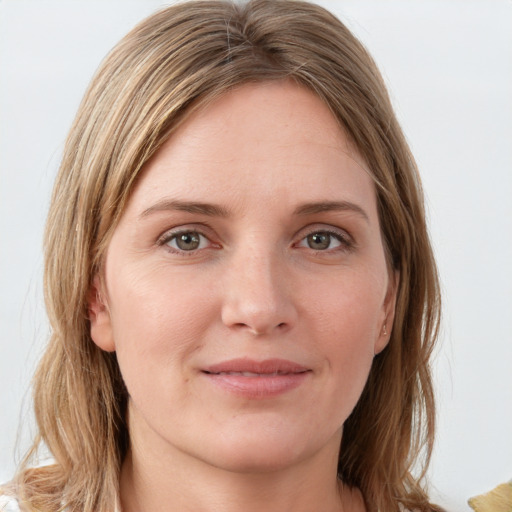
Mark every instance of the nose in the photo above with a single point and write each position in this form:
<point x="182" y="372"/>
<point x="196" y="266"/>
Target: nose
<point x="258" y="296"/>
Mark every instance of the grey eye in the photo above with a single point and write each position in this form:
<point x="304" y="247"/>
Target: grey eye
<point x="321" y="240"/>
<point x="186" y="241"/>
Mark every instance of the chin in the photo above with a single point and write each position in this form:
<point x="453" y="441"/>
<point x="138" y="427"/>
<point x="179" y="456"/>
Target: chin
<point x="261" y="453"/>
<point x="252" y="462"/>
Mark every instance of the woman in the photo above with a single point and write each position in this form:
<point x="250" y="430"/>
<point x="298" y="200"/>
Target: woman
<point x="238" y="276"/>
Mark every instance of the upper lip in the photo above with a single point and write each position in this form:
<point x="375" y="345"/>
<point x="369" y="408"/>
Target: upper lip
<point x="266" y="367"/>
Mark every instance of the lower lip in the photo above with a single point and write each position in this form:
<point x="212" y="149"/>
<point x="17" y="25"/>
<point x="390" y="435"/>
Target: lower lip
<point x="258" y="387"/>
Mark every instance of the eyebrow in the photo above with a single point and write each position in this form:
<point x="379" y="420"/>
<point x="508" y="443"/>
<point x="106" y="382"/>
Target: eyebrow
<point x="329" y="206"/>
<point x="211" y="210"/>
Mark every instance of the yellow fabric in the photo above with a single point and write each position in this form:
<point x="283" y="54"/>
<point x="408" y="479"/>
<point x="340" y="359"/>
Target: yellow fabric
<point x="497" y="500"/>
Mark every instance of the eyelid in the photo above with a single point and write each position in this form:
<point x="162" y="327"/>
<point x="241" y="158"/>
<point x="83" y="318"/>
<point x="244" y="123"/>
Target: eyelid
<point x="171" y="233"/>
<point x="346" y="239"/>
<point x="342" y="235"/>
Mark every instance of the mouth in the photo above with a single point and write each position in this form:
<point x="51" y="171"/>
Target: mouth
<point x="256" y="379"/>
<point x="251" y="374"/>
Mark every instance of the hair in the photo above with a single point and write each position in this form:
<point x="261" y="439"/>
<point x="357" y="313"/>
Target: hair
<point x="173" y="63"/>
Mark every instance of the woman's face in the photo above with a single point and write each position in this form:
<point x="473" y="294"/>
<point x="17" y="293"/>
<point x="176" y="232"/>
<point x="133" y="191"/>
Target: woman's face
<point x="245" y="288"/>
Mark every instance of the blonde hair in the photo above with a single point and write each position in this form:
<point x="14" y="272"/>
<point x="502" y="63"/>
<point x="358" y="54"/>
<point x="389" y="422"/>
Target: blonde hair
<point x="173" y="63"/>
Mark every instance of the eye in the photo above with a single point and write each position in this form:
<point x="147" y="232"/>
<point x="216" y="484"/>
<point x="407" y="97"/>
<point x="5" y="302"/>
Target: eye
<point x="186" y="241"/>
<point x="324" y="240"/>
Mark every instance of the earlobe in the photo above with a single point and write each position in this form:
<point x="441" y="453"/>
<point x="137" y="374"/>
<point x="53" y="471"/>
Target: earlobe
<point x="99" y="317"/>
<point x="388" y="313"/>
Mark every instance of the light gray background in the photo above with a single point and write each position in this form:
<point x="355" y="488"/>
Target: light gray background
<point x="448" y="64"/>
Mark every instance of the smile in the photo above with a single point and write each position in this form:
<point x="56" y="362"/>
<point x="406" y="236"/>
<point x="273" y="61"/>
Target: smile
<point x="256" y="379"/>
<point x="253" y="374"/>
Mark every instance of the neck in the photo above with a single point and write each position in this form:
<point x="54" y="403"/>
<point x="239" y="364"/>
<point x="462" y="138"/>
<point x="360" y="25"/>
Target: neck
<point x="208" y="491"/>
<point x="158" y="477"/>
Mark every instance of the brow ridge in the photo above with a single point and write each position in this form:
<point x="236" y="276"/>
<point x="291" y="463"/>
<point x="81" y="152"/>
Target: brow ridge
<point x="211" y="210"/>
<point x="326" y="206"/>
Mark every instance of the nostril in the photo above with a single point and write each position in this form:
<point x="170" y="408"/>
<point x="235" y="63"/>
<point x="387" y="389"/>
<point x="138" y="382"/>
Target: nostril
<point x="261" y="329"/>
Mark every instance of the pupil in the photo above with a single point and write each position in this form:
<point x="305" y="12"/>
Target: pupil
<point x="319" y="240"/>
<point x="188" y="241"/>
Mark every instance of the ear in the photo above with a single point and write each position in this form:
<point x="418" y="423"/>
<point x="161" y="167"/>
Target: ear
<point x="99" y="317"/>
<point x="388" y="312"/>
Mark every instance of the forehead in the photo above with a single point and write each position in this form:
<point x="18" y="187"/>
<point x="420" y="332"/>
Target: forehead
<point x="273" y="138"/>
<point x="266" y="114"/>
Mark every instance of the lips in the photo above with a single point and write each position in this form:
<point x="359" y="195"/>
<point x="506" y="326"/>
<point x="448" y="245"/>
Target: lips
<point x="267" y="367"/>
<point x="252" y="374"/>
<point x="256" y="379"/>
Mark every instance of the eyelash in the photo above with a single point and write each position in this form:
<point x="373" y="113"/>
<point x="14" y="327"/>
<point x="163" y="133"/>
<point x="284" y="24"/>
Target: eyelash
<point x="168" y="237"/>
<point x="345" y="240"/>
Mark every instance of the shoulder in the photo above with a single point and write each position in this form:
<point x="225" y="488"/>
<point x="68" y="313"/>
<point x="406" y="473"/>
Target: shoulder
<point x="8" y="504"/>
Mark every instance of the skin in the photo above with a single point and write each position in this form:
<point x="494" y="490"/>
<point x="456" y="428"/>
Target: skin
<point x="258" y="286"/>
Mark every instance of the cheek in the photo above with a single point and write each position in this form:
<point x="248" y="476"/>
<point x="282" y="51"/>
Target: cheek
<point x="158" y="320"/>
<point x="347" y="325"/>
<point x="349" y="309"/>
